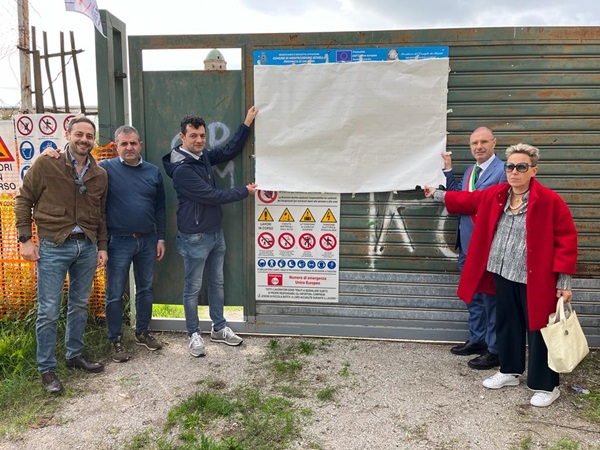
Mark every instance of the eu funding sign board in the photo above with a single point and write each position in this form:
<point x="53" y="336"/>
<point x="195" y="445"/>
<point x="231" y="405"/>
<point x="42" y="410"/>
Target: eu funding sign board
<point x="297" y="246"/>
<point x="346" y="55"/>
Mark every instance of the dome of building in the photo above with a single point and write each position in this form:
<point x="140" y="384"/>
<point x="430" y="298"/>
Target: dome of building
<point x="215" y="61"/>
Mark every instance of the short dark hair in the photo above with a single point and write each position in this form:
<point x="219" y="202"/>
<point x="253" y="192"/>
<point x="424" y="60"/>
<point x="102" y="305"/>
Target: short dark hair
<point x="80" y="119"/>
<point x="193" y="121"/>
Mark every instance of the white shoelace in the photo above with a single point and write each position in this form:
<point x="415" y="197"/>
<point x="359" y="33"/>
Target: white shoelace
<point x="195" y="341"/>
<point x="227" y="332"/>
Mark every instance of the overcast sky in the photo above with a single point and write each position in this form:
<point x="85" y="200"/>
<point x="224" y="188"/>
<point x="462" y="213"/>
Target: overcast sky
<point x="144" y="17"/>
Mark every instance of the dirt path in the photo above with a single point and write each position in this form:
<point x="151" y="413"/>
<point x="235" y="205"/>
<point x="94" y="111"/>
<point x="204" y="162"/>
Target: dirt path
<point x="396" y="396"/>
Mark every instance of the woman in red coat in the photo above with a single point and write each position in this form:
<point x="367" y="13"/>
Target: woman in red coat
<point x="524" y="249"/>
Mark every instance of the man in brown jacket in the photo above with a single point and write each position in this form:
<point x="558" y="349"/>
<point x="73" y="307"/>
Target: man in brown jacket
<point x="68" y="199"/>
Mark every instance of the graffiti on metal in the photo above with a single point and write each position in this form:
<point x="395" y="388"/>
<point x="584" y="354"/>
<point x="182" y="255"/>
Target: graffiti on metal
<point x="218" y="134"/>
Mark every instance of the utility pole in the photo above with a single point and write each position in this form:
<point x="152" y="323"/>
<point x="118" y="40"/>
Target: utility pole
<point x="23" y="12"/>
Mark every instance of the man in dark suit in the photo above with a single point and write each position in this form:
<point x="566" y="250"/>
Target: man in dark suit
<point x="488" y="170"/>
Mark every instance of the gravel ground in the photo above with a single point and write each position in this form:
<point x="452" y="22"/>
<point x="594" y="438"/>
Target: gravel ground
<point x="397" y="395"/>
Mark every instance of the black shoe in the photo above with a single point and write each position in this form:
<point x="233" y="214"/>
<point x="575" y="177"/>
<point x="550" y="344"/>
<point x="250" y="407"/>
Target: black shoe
<point x="486" y="361"/>
<point x="148" y="341"/>
<point x="119" y="352"/>
<point x="51" y="383"/>
<point x="469" y="348"/>
<point x="79" y="362"/>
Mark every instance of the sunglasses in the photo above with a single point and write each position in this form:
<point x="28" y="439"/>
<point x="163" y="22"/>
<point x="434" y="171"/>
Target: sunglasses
<point x="82" y="189"/>
<point x="521" y="167"/>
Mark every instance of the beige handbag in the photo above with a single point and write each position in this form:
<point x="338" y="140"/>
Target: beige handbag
<point x="565" y="340"/>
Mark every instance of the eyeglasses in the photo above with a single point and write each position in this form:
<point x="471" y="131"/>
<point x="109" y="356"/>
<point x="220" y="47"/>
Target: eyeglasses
<point x="521" y="167"/>
<point x="82" y="188"/>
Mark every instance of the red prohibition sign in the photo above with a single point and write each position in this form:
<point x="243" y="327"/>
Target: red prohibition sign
<point x="266" y="240"/>
<point x="67" y="121"/>
<point x="328" y="241"/>
<point x="307" y="241"/>
<point x="48" y="125"/>
<point x="286" y="241"/>
<point x="267" y="196"/>
<point x="25" y="125"/>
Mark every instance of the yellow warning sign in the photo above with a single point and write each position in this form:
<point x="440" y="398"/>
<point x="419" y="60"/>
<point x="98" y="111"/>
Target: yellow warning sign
<point x="286" y="216"/>
<point x="5" y="155"/>
<point x="329" y="217"/>
<point x="265" y="216"/>
<point x="307" y="216"/>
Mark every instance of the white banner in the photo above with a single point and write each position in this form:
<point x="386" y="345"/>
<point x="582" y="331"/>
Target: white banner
<point x="88" y="8"/>
<point x="356" y="127"/>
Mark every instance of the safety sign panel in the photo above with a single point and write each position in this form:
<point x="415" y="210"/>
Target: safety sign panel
<point x="286" y="216"/>
<point x="267" y="196"/>
<point x="36" y="133"/>
<point x="266" y="240"/>
<point x="297" y="256"/>
<point x="265" y="216"/>
<point x="307" y="216"/>
<point x="48" y="125"/>
<point x="328" y="217"/>
<point x="9" y="172"/>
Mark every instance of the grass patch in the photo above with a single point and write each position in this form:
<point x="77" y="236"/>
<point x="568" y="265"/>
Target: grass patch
<point x="326" y="394"/>
<point x="288" y="368"/>
<point x="176" y="312"/>
<point x="586" y="377"/>
<point x="292" y="390"/>
<point x="306" y="348"/>
<point x="564" y="444"/>
<point x="23" y="401"/>
<point x="524" y="444"/>
<point x="248" y="418"/>
<point x="286" y="360"/>
<point x="345" y="370"/>
<point x="201" y="409"/>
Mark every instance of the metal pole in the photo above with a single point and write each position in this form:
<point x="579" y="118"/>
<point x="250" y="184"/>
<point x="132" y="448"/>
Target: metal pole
<point x="23" y="12"/>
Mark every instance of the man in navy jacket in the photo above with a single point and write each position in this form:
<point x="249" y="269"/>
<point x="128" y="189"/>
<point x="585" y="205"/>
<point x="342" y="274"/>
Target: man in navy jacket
<point x="200" y="239"/>
<point x="488" y="171"/>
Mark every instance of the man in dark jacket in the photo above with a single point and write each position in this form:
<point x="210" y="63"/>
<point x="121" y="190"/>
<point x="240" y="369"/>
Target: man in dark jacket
<point x="200" y="239"/>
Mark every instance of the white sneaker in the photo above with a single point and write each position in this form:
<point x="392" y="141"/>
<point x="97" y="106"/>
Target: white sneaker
<point x="197" y="345"/>
<point x="499" y="380"/>
<point x="545" y="398"/>
<point x="226" y="336"/>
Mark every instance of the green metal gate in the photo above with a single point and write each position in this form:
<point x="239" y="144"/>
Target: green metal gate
<point x="216" y="97"/>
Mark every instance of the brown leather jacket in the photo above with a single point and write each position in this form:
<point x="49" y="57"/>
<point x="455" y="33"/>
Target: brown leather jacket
<point x="49" y="188"/>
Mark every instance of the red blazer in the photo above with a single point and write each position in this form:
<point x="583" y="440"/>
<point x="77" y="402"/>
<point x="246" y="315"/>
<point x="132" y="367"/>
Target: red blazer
<point x="551" y="244"/>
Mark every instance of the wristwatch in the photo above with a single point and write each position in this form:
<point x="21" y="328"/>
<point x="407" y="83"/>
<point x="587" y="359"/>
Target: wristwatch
<point x="23" y="239"/>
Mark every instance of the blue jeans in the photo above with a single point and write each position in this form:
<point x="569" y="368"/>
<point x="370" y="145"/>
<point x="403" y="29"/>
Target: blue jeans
<point x="482" y="315"/>
<point x="200" y="250"/>
<point x="122" y="251"/>
<point x="78" y="258"/>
